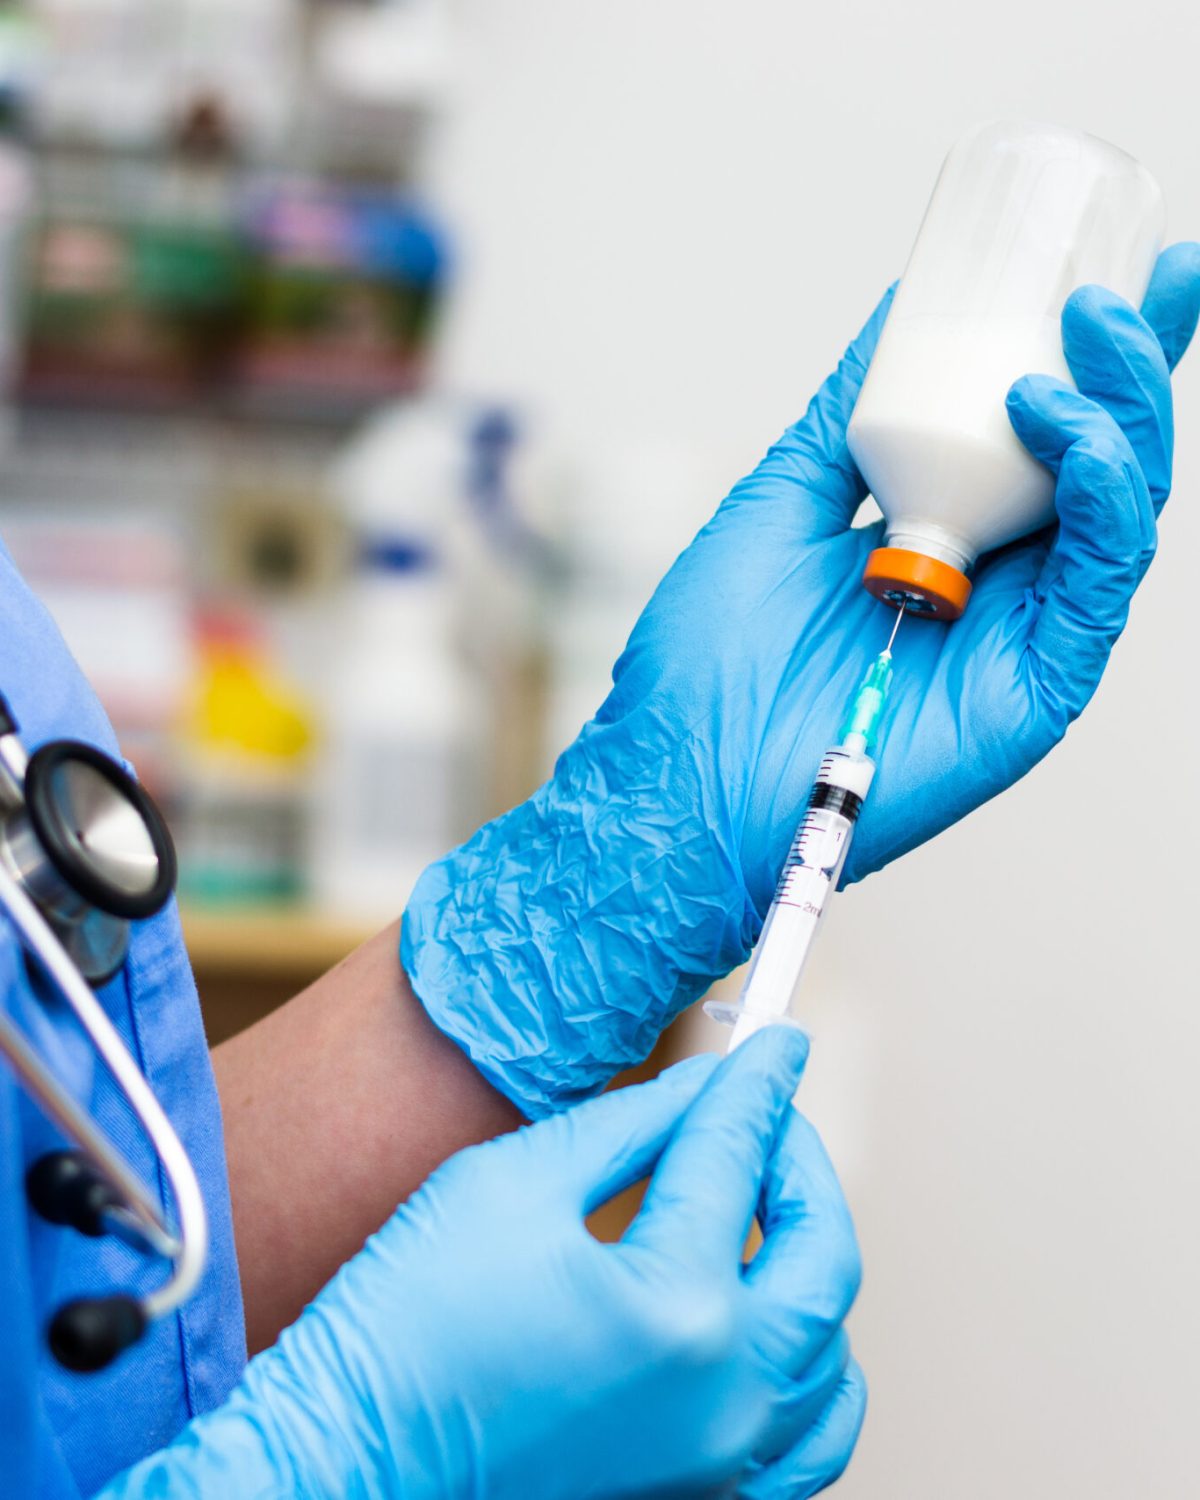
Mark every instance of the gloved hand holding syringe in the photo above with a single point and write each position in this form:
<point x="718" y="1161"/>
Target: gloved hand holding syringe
<point x="931" y="437"/>
<point x="557" y="943"/>
<point x="814" y="863"/>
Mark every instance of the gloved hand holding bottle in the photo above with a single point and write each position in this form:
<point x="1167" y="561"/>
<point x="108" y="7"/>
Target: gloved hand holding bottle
<point x="557" y="943"/>
<point x="483" y="1343"/>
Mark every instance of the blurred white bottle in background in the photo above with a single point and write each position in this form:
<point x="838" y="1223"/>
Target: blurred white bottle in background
<point x="635" y="504"/>
<point x="394" y="787"/>
<point x="394" y="767"/>
<point x="433" y="685"/>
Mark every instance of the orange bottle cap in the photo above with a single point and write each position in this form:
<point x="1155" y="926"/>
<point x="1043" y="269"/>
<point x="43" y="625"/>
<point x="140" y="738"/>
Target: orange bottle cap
<point x="917" y="583"/>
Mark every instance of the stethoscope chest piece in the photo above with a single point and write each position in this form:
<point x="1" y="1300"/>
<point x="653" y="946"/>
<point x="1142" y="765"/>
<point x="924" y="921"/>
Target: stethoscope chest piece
<point x="91" y="849"/>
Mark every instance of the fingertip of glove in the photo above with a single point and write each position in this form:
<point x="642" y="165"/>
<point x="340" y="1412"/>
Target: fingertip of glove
<point x="1182" y="260"/>
<point x="1093" y="315"/>
<point x="1094" y="303"/>
<point x="781" y="1049"/>
<point x="1028" y="392"/>
<point x="1172" y="303"/>
<point x="1018" y="396"/>
<point x="1041" y="393"/>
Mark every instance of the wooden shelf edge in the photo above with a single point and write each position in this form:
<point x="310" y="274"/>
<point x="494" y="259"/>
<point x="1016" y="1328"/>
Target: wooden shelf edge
<point x="269" y="940"/>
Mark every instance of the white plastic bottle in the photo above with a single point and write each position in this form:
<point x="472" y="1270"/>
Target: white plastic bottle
<point x="393" y="775"/>
<point x="397" y="779"/>
<point x="1021" y="215"/>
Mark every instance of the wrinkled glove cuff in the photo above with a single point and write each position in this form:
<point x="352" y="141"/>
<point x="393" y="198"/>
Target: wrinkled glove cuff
<point x="556" y="944"/>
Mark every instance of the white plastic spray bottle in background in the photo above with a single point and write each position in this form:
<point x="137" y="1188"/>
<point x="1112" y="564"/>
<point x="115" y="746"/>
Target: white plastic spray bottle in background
<point x="431" y="672"/>
<point x="1021" y="215"/>
<point x="394" y="781"/>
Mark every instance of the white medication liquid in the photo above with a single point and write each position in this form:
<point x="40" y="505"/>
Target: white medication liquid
<point x="1021" y="215"/>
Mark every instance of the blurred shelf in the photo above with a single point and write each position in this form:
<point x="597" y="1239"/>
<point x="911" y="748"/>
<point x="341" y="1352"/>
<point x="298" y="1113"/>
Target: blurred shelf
<point x="281" y="940"/>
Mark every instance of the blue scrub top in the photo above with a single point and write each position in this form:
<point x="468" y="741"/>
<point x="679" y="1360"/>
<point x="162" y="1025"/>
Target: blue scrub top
<point x="64" y="1434"/>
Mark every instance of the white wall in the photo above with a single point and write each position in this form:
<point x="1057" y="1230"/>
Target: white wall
<point x="674" y="214"/>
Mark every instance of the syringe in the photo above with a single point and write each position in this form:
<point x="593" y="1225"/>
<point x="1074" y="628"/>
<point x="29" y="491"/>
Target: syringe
<point x="814" y="863"/>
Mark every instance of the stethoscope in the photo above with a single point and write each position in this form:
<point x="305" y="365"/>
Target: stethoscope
<point x="84" y="851"/>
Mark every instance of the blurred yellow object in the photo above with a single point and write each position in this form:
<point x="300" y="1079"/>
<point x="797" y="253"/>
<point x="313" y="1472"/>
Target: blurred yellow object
<point x="241" y="705"/>
<point x="242" y="804"/>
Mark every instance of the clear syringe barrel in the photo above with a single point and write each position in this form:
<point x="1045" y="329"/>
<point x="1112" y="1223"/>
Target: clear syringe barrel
<point x="806" y="885"/>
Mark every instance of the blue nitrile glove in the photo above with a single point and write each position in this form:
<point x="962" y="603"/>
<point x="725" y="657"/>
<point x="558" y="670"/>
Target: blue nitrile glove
<point x="556" y="944"/>
<point x="484" y="1344"/>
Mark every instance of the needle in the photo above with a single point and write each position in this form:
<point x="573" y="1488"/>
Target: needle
<point x="887" y="650"/>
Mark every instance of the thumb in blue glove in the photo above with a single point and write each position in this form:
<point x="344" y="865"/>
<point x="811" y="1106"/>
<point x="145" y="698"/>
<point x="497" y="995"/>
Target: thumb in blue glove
<point x="484" y="1343"/>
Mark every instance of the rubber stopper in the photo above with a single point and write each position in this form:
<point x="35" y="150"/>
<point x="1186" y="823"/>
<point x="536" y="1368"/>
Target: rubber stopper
<point x="916" y="583"/>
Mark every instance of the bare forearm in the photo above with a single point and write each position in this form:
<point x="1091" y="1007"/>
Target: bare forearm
<point x="336" y="1107"/>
